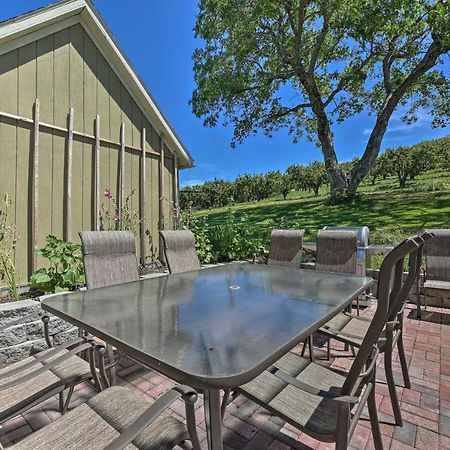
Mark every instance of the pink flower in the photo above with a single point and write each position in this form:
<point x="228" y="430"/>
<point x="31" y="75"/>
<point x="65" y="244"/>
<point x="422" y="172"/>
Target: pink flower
<point x="108" y="193"/>
<point x="116" y="218"/>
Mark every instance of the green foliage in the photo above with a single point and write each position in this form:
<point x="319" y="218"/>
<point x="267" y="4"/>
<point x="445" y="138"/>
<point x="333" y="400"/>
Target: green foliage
<point x="390" y="213"/>
<point x="66" y="267"/>
<point x="247" y="188"/>
<point x="199" y="226"/>
<point x="306" y="65"/>
<point x="8" y="239"/>
<point x="233" y="239"/>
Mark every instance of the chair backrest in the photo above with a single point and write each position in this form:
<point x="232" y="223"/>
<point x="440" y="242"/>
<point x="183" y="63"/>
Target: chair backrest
<point x="414" y="266"/>
<point x="437" y="252"/>
<point x="286" y="248"/>
<point x="109" y="258"/>
<point x="179" y="250"/>
<point x="336" y="251"/>
<point x="390" y="283"/>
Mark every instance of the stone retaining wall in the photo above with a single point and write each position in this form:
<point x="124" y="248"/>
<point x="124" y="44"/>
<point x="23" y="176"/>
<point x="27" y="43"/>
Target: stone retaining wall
<point x="22" y="340"/>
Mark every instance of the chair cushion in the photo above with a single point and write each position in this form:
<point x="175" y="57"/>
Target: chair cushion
<point x="98" y="422"/>
<point x="302" y="409"/>
<point x="69" y="372"/>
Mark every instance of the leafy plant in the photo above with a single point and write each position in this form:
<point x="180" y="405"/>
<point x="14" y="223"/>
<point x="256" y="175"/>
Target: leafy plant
<point x="8" y="239"/>
<point x="234" y="239"/>
<point x="66" y="271"/>
<point x="198" y="226"/>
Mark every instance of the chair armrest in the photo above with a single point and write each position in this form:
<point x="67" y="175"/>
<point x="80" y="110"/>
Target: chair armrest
<point x="130" y="433"/>
<point x="310" y="389"/>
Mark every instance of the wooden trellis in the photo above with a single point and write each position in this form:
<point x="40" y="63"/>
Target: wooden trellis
<point x="70" y="134"/>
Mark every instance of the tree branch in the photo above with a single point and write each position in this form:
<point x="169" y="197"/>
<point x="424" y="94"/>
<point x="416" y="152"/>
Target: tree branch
<point x="374" y="143"/>
<point x="319" y="41"/>
<point x="285" y="111"/>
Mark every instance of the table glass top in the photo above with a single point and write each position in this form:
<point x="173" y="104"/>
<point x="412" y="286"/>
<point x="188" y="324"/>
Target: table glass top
<point x="215" y="323"/>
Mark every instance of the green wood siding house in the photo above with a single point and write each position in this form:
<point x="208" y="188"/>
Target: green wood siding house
<point x="76" y="119"/>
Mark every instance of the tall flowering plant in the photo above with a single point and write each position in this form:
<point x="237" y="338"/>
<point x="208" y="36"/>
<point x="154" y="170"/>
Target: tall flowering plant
<point x="119" y="218"/>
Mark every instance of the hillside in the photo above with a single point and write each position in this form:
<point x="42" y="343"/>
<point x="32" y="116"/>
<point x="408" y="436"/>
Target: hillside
<point x="390" y="213"/>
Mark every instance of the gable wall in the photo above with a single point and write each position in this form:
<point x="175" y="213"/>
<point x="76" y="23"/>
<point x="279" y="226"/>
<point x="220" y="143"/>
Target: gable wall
<point x="66" y="70"/>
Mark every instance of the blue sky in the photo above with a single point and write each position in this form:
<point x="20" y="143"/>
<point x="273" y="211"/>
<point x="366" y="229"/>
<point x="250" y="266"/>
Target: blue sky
<point x="157" y="36"/>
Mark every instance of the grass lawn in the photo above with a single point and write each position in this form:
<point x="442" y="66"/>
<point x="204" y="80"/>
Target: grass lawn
<point x="390" y="213"/>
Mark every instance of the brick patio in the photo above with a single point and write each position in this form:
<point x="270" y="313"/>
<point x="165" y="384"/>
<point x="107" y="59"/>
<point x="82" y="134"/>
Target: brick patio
<point x="425" y="408"/>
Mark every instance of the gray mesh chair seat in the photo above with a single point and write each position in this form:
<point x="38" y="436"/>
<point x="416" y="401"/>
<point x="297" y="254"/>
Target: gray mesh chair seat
<point x="97" y="423"/>
<point x="286" y="248"/>
<point x="298" y="407"/>
<point x="348" y="326"/>
<point x="179" y="250"/>
<point x="23" y="395"/>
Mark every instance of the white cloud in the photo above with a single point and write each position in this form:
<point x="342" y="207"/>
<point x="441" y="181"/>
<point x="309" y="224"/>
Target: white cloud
<point x="192" y="182"/>
<point x="396" y="125"/>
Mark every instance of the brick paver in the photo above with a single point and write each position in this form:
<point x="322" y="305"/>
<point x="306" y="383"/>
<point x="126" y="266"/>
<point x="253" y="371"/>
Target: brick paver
<point x="425" y="407"/>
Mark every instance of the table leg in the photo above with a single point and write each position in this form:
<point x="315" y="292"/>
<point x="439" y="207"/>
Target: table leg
<point x="213" y="418"/>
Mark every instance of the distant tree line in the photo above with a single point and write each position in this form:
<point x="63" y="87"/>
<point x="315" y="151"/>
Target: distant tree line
<point x="403" y="162"/>
<point x="406" y="163"/>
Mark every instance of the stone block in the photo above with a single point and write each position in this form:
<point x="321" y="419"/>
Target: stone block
<point x="20" y="341"/>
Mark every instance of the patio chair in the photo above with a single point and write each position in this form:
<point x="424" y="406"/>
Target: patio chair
<point x="35" y="379"/>
<point x="437" y="264"/>
<point x="315" y="399"/>
<point x="179" y="250"/>
<point x="286" y="248"/>
<point x="119" y="418"/>
<point x="336" y="252"/>
<point x="351" y="329"/>
<point x="109" y="258"/>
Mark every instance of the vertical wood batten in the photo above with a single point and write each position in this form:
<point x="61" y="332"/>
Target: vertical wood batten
<point x="68" y="187"/>
<point x="161" y="194"/>
<point x="142" y="198"/>
<point x="96" y="195"/>
<point x="35" y="186"/>
<point x="122" y="167"/>
<point x="176" y="199"/>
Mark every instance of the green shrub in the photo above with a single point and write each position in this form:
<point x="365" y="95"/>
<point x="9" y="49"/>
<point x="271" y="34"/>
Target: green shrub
<point x="198" y="226"/>
<point x="66" y="271"/>
<point x="234" y="239"/>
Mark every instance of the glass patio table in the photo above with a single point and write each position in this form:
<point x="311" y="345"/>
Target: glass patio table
<point x="214" y="328"/>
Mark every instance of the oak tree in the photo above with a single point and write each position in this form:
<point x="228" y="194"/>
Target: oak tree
<point x="306" y="65"/>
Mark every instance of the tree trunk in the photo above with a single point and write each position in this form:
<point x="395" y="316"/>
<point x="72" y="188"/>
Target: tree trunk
<point x="349" y="186"/>
<point x="402" y="177"/>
